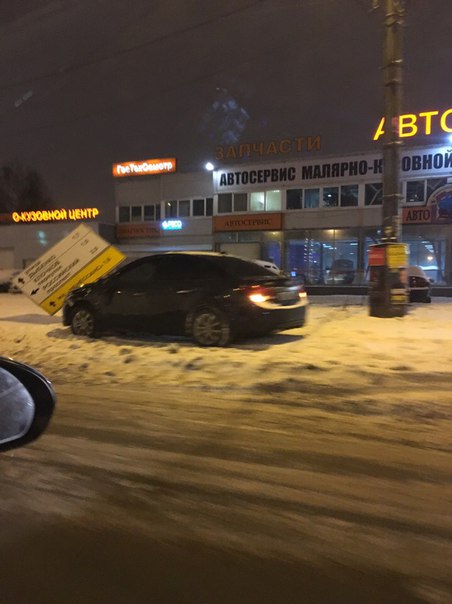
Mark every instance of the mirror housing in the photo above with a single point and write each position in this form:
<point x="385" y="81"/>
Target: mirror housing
<point x="42" y="396"/>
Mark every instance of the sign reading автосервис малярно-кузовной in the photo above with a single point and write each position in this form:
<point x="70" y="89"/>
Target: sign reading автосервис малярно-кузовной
<point x="416" y="163"/>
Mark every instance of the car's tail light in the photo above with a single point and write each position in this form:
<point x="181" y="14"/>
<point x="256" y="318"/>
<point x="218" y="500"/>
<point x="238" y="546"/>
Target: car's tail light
<point x="258" y="298"/>
<point x="258" y="294"/>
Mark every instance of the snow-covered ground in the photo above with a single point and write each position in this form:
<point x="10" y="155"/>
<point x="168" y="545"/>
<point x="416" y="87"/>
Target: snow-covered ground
<point x="340" y="346"/>
<point x="385" y="369"/>
<point x="325" y="444"/>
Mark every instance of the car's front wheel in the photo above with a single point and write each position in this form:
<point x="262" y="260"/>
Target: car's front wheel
<point x="84" y="322"/>
<point x="211" y="327"/>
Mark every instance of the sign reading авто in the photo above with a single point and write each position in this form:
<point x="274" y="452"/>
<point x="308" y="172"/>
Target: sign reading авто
<point x="81" y="257"/>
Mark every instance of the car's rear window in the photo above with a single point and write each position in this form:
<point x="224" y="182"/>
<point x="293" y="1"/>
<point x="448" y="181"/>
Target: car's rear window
<point x="242" y="268"/>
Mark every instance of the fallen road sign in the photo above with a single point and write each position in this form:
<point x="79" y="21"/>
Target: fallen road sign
<point x="81" y="257"/>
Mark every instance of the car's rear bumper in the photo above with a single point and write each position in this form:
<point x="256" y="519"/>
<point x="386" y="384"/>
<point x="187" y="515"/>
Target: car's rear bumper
<point x="420" y="294"/>
<point x="258" y="320"/>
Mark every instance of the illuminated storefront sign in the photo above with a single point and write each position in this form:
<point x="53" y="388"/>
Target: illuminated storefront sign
<point x="56" y="215"/>
<point x="410" y="124"/>
<point x="248" y="222"/>
<point x="144" y="167"/>
<point x="297" y="144"/>
<point x="172" y="225"/>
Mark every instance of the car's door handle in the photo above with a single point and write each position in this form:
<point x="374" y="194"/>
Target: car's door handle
<point x="185" y="291"/>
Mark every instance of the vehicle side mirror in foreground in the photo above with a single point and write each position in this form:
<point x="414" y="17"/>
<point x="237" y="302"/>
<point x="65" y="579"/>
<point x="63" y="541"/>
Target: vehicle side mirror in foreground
<point x="27" y="401"/>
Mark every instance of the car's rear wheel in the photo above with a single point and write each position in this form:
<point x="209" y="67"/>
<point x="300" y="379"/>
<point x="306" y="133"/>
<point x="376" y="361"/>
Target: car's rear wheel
<point x="211" y="327"/>
<point x="84" y="322"/>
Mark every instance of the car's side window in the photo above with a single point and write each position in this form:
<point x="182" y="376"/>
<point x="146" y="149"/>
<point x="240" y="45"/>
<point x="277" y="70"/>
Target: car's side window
<point x="184" y="268"/>
<point x="207" y="270"/>
<point x="175" y="268"/>
<point x="136" y="276"/>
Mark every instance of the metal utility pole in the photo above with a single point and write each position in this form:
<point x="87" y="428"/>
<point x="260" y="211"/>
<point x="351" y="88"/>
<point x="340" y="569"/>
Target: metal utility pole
<point x="387" y="260"/>
<point x="393" y="78"/>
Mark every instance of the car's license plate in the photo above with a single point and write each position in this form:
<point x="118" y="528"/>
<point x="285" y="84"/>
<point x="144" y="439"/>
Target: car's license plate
<point x="284" y="296"/>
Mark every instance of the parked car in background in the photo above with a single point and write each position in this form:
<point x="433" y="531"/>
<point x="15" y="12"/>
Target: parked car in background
<point x="342" y="272"/>
<point x="310" y="276"/>
<point x="210" y="297"/>
<point x="419" y="285"/>
<point x="271" y="266"/>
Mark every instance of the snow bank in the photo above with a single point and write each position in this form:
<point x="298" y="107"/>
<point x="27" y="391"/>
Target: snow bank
<point x="340" y="347"/>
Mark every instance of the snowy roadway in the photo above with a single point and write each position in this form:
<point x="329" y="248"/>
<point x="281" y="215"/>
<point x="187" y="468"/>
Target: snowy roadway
<point x="312" y="466"/>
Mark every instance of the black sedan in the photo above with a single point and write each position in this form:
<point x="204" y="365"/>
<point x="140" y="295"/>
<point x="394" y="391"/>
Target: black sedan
<point x="210" y="297"/>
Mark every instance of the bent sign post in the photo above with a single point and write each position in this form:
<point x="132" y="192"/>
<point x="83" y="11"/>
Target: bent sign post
<point x="81" y="257"/>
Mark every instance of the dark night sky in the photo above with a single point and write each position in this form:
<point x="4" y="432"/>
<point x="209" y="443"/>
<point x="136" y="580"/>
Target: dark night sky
<point x="85" y="83"/>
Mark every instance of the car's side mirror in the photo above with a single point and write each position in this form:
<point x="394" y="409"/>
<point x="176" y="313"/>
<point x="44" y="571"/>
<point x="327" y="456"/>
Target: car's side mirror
<point x="27" y="401"/>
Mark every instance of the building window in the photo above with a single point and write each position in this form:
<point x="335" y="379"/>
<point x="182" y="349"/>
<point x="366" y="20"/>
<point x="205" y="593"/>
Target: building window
<point x="415" y="191"/>
<point x="171" y="209"/>
<point x="224" y="203"/>
<point x="269" y="201"/>
<point x="149" y="212"/>
<point x="373" y="194"/>
<point x="311" y="198"/>
<point x="203" y="207"/>
<point x="273" y="201"/>
<point x="294" y="199"/>
<point x="429" y="253"/>
<point x="124" y="214"/>
<point x="136" y="214"/>
<point x="323" y="256"/>
<point x="240" y="202"/>
<point x="257" y="202"/>
<point x="198" y="207"/>
<point x="330" y="197"/>
<point x="349" y="195"/>
<point x="433" y="184"/>
<point x="184" y="208"/>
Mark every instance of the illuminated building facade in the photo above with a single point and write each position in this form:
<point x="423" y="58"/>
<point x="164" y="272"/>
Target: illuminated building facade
<point x="313" y="217"/>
